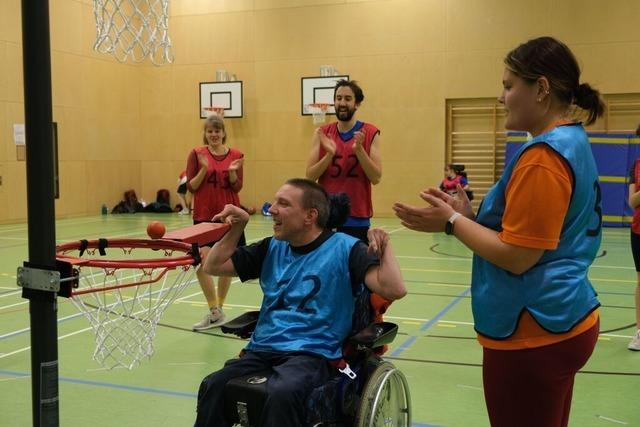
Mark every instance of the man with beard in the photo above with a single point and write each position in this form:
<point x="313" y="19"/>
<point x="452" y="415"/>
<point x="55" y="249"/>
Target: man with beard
<point x="345" y="157"/>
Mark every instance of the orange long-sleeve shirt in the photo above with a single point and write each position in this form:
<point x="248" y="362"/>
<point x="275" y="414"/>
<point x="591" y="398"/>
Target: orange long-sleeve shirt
<point x="537" y="200"/>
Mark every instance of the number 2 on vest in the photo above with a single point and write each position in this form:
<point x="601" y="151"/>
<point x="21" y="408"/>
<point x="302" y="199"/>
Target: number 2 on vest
<point x="302" y="307"/>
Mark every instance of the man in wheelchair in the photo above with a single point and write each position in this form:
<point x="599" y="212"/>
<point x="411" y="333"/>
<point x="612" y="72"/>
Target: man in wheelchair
<point x="310" y="277"/>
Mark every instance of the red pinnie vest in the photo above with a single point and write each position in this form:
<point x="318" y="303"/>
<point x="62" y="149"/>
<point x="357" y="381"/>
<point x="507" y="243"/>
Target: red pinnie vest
<point x="635" y="223"/>
<point x="345" y="174"/>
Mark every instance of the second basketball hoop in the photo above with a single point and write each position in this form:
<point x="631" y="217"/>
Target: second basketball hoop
<point x="213" y="110"/>
<point x="319" y="112"/>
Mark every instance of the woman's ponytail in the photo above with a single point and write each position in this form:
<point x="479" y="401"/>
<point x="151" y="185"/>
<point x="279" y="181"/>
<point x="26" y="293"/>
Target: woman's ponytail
<point x="589" y="100"/>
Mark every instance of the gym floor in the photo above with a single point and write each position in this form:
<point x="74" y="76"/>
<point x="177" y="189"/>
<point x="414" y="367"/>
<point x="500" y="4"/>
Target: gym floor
<point x="435" y="348"/>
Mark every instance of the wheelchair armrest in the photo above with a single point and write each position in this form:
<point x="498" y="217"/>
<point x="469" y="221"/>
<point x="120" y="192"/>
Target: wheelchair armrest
<point x="375" y="335"/>
<point x="242" y="325"/>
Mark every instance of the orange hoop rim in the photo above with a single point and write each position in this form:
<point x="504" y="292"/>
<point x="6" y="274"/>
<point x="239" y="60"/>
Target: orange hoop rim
<point x="168" y="262"/>
<point x="323" y="106"/>
<point x="214" y="109"/>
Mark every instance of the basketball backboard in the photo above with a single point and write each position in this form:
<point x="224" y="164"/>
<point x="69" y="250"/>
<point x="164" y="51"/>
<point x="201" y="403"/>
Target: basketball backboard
<point x="318" y="90"/>
<point x="201" y="234"/>
<point x="221" y="94"/>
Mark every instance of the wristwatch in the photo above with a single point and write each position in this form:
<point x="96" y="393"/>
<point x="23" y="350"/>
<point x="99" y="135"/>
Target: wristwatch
<point x="448" y="228"/>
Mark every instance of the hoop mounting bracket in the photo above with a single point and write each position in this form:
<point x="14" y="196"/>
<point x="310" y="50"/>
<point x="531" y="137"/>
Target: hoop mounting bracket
<point x="59" y="279"/>
<point x="38" y="279"/>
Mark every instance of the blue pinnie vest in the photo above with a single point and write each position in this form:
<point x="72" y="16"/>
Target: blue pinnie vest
<point x="556" y="290"/>
<point x="308" y="301"/>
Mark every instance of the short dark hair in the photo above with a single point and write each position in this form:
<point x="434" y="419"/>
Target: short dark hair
<point x="456" y="167"/>
<point x="333" y="209"/>
<point x="550" y="58"/>
<point x="313" y="197"/>
<point x="357" y="90"/>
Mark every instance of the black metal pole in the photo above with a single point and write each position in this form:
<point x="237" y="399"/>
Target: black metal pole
<point x="36" y="56"/>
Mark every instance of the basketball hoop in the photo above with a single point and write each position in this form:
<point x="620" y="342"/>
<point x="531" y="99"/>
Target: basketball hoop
<point x="319" y="111"/>
<point x="124" y="298"/>
<point x="133" y="29"/>
<point x="210" y="111"/>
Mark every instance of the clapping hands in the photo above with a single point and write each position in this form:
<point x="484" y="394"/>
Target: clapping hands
<point x="433" y="218"/>
<point x="236" y="164"/>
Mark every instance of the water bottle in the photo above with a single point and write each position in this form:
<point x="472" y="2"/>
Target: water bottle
<point x="104" y="209"/>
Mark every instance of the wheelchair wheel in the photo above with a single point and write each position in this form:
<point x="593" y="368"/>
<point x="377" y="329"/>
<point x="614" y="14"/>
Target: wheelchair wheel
<point x="385" y="400"/>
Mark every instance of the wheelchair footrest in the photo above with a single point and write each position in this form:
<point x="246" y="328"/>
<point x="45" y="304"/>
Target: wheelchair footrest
<point x="244" y="398"/>
<point x="375" y="335"/>
<point x="243" y="325"/>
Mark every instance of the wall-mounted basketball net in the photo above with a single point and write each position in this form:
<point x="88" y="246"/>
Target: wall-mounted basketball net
<point x="319" y="111"/>
<point x="133" y="30"/>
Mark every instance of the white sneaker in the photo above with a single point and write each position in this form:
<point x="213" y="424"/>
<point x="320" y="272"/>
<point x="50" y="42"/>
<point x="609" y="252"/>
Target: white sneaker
<point x="635" y="342"/>
<point x="184" y="212"/>
<point x="213" y="319"/>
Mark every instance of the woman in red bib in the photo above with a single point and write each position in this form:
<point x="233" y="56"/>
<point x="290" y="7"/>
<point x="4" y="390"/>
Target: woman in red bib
<point x="634" y="202"/>
<point x="214" y="176"/>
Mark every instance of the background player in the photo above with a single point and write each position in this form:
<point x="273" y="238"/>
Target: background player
<point x="214" y="173"/>
<point x="634" y="202"/>
<point x="183" y="194"/>
<point x="454" y="175"/>
<point x="345" y="157"/>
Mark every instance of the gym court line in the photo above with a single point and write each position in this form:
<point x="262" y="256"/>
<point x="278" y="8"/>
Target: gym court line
<point x="137" y="389"/>
<point x="427" y="325"/>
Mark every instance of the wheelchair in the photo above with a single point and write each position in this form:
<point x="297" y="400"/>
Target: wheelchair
<point x="370" y="392"/>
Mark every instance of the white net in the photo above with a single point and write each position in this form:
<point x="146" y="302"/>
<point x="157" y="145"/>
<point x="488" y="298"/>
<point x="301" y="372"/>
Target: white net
<point x="319" y="112"/>
<point x="133" y="29"/>
<point x="124" y="320"/>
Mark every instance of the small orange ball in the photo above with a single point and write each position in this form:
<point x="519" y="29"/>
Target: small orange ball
<point x="156" y="229"/>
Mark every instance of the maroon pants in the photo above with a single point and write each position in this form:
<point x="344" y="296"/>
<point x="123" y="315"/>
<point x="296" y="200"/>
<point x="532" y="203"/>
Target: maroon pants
<point x="533" y="387"/>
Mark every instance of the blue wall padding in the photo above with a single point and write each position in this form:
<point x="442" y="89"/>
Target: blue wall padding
<point x="615" y="154"/>
<point x="613" y="198"/>
<point x="611" y="159"/>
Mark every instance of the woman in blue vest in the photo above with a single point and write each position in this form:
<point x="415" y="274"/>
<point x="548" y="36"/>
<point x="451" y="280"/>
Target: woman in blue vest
<point x="534" y="237"/>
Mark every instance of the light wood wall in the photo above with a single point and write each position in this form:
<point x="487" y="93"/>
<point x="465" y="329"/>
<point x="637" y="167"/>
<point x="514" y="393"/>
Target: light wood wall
<point x="131" y="125"/>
